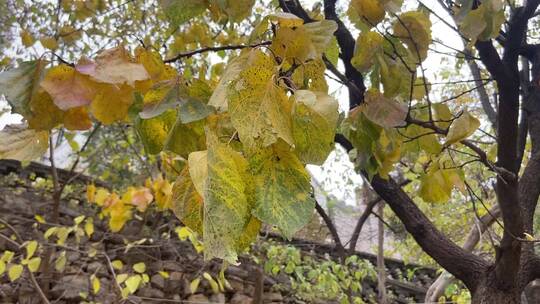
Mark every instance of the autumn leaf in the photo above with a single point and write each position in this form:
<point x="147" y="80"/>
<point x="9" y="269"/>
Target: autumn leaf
<point x="368" y="45"/>
<point x="67" y="87"/>
<point x="19" y="143"/>
<point x="219" y="98"/>
<point x="227" y="206"/>
<point x="314" y="120"/>
<point x="187" y="203"/>
<point x="154" y="131"/>
<point x="186" y="138"/>
<point x="367" y="12"/>
<point x="259" y="109"/>
<point x="384" y="111"/>
<point x="414" y="29"/>
<point x="282" y="189"/>
<point x="115" y="66"/>
<point x="461" y="128"/>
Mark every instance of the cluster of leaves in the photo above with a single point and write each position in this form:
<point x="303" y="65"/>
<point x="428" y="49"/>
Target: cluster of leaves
<point x="312" y="277"/>
<point x="246" y="143"/>
<point x="119" y="208"/>
<point x="387" y="127"/>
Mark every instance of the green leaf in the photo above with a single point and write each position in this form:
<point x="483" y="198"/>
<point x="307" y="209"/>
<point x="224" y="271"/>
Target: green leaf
<point x="181" y="11"/>
<point x="282" y="195"/>
<point x="258" y="107"/>
<point x="186" y="138"/>
<point x="160" y="98"/>
<point x="461" y="128"/>
<point x="19" y="85"/>
<point x="193" y="110"/>
<point x="314" y="123"/>
<point x="227" y="208"/>
<point x="19" y="143"/>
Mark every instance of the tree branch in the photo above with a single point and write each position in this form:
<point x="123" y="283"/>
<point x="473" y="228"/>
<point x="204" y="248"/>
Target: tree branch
<point x="214" y="49"/>
<point x="462" y="264"/>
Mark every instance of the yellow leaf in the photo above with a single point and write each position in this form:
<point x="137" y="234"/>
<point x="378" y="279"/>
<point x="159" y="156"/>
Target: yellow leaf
<point x="219" y="99"/>
<point x="368" y="45"/>
<point x="194" y="285"/>
<point x="117" y="264"/>
<point x="528" y="237"/>
<point x="198" y="169"/>
<point x="77" y="119"/>
<point x="79" y="219"/>
<point x="44" y="115"/>
<point x="31" y="247"/>
<point x="164" y="274"/>
<point x="33" y="264"/>
<point x="286" y="19"/>
<point x="139" y="267"/>
<point x="15" y="272"/>
<point x="461" y="128"/>
<point x="96" y="285"/>
<point x="133" y="282"/>
<point x="39" y="219"/>
<point x="101" y="195"/>
<point x="183" y="233"/>
<point x="2" y="267"/>
<point x="91" y="193"/>
<point x="27" y="39"/>
<point x="49" y="43"/>
<point x="89" y="227"/>
<point x="111" y="103"/>
<point x="212" y="282"/>
<point x="7" y="256"/>
<point x="60" y="263"/>
<point x="121" y="278"/>
<point x="367" y="12"/>
<point x="50" y="232"/>
<point x="187" y="203"/>
<point x="314" y="123"/>
<point x="282" y="189"/>
<point x="414" y="29"/>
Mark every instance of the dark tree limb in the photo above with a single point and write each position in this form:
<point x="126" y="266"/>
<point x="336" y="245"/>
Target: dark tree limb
<point x="331" y="227"/>
<point x="462" y="264"/>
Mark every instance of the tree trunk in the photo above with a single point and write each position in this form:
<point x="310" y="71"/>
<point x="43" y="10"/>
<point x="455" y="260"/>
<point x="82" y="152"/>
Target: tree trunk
<point x="488" y="292"/>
